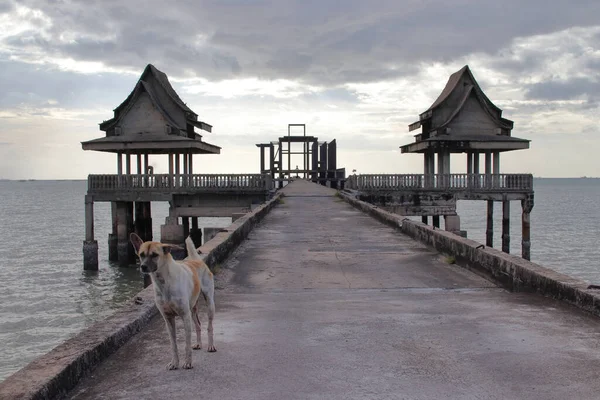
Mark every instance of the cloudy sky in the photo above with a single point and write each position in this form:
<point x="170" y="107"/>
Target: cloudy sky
<point x="354" y="70"/>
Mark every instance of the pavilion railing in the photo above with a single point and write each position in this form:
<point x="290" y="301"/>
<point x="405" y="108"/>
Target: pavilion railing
<point x="444" y="182"/>
<point x="180" y="182"/>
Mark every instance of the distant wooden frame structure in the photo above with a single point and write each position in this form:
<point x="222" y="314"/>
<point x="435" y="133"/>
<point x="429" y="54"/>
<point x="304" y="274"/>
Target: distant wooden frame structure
<point x="319" y="159"/>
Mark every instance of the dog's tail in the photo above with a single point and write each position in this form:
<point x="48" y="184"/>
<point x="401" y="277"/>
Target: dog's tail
<point x="191" y="249"/>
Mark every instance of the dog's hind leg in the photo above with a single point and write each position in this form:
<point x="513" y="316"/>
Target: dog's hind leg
<point x="198" y="326"/>
<point x="170" y="322"/>
<point x="187" y="325"/>
<point x="211" y="314"/>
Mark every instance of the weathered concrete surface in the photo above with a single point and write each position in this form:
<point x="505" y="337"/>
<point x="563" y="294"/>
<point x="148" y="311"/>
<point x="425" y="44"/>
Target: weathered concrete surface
<point x="354" y="309"/>
<point x="54" y="373"/>
<point x="513" y="272"/>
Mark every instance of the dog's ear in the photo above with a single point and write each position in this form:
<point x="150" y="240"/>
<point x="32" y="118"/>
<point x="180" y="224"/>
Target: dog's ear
<point x="168" y="247"/>
<point x="136" y="241"/>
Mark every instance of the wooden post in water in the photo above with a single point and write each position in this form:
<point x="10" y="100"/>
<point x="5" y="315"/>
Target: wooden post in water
<point x="506" y="226"/>
<point x="90" y="246"/>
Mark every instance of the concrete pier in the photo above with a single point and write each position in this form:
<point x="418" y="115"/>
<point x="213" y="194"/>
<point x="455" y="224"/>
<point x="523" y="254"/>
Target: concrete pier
<point x="324" y="301"/>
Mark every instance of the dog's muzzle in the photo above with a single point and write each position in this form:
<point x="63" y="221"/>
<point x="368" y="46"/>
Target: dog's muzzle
<point x="144" y="268"/>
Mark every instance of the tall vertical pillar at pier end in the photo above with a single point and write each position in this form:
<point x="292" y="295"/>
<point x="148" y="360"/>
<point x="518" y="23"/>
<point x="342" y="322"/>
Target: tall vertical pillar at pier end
<point x="90" y="246"/>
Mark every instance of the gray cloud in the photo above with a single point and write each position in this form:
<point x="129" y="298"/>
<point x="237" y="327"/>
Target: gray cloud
<point x="564" y="90"/>
<point x="319" y="42"/>
<point x="41" y="85"/>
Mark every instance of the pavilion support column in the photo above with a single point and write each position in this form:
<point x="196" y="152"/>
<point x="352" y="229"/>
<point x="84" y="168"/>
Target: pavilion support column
<point x="447" y="161"/>
<point x="425" y="219"/>
<point x="171" y="170"/>
<point x="431" y="168"/>
<point x="113" y="254"/>
<point x="476" y="181"/>
<point x="488" y="169"/>
<point x="470" y="177"/>
<point x="177" y="170"/>
<point x="489" y="230"/>
<point x="127" y="163"/>
<point x="191" y="169"/>
<point x="425" y="169"/>
<point x="125" y="226"/>
<point x="262" y="159"/>
<point x="120" y="163"/>
<point x="90" y="245"/>
<point x="496" y="169"/>
<point x="436" y="221"/>
<point x="470" y="162"/>
<point x="506" y="226"/>
<point x="185" y="169"/>
<point x="139" y="164"/>
<point x="526" y="206"/>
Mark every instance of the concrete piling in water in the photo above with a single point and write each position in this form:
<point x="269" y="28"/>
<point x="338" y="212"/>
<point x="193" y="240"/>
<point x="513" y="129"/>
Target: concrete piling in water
<point x="124" y="227"/>
<point x="143" y="220"/>
<point x="526" y="206"/>
<point x="506" y="226"/>
<point x="489" y="230"/>
<point x="90" y="245"/>
<point x="113" y="254"/>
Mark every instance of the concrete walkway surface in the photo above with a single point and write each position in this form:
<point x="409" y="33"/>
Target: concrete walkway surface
<point x="324" y="302"/>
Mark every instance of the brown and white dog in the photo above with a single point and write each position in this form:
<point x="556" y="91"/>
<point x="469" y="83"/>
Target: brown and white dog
<point x="178" y="286"/>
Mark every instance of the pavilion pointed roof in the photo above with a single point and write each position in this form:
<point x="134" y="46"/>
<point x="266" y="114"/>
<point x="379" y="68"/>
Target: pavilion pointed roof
<point x="152" y="119"/>
<point x="465" y="118"/>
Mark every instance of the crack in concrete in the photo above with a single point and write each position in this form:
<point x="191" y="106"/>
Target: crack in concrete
<point x="340" y="261"/>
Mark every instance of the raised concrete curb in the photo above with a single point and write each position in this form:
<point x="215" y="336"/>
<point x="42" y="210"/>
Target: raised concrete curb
<point x="53" y="374"/>
<point x="512" y="272"/>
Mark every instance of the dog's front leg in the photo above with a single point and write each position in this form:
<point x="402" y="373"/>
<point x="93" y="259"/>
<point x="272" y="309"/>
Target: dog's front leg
<point x="187" y="325"/>
<point x="170" y="322"/>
